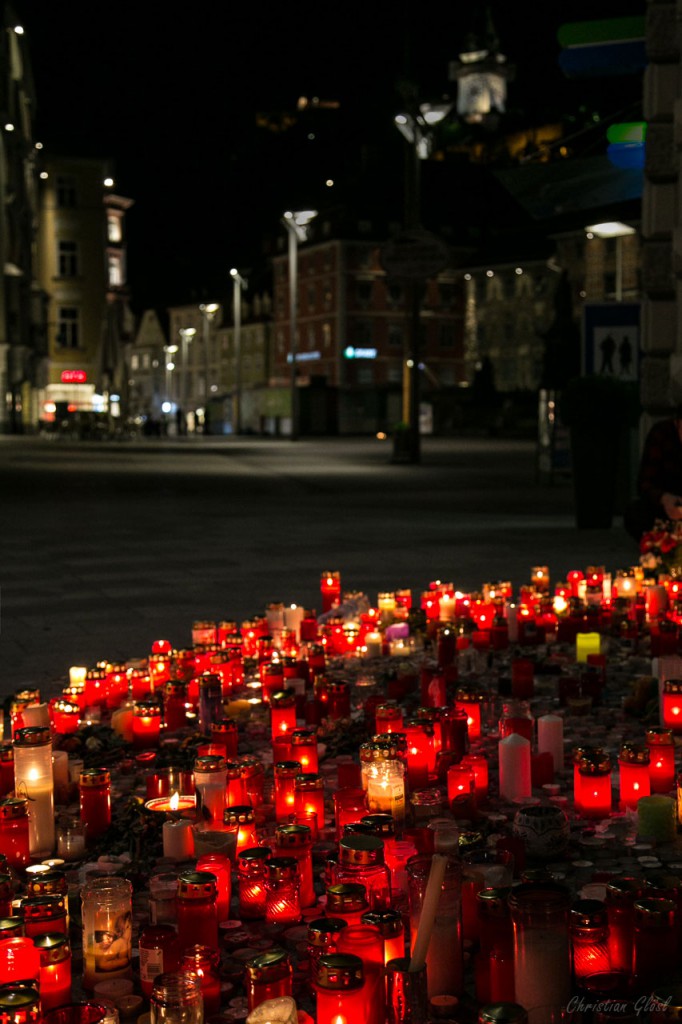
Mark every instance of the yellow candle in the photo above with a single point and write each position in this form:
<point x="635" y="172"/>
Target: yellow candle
<point x="587" y="643"/>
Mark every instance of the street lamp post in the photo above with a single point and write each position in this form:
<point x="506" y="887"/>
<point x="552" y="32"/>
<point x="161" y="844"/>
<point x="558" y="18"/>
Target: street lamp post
<point x="208" y="311"/>
<point x="238" y="283"/>
<point x="186" y="335"/>
<point x="297" y="224"/>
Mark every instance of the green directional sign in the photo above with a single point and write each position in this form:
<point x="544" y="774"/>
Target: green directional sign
<point x="608" y="30"/>
<point x="633" y="131"/>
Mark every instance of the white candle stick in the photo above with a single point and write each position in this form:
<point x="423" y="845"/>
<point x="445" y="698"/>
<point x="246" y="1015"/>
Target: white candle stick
<point x="427" y="918"/>
<point x="178" y="839"/>
<point x="514" y="760"/>
<point x="551" y="739"/>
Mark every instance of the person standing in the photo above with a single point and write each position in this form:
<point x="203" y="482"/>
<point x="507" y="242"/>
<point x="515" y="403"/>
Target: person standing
<point x="659" y="480"/>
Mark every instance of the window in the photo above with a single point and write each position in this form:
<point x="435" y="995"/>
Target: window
<point x="114" y="227"/>
<point x="365" y="374"/>
<point x="311" y="338"/>
<point x="363" y="333"/>
<point x="327" y="335"/>
<point x="395" y="294"/>
<point x="447" y="294"/>
<point x="66" y="192"/>
<point x="115" y="269"/>
<point x="363" y="290"/>
<point x="67" y="259"/>
<point x="134" y="361"/>
<point x="311" y="296"/>
<point x="395" y="337"/>
<point x="446" y="336"/>
<point x="395" y="374"/>
<point x="67" y="327"/>
<point x="145" y="360"/>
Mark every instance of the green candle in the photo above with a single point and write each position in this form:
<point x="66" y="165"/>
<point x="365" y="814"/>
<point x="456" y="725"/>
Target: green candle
<point x="656" y="818"/>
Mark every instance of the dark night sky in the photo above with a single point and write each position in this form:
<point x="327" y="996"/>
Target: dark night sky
<point x="169" y="93"/>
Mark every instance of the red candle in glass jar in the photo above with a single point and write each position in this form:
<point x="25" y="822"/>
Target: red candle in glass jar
<point x="242" y="820"/>
<point x="330" y="589"/>
<point x="661" y="759"/>
<point x="595" y="786"/>
<point x="461" y="791"/>
<point x="285" y="773"/>
<point x="633" y="770"/>
<point x="282" y="891"/>
<point x="470" y="703"/>
<point x="176" y="705"/>
<point x="304" y="749"/>
<point x="251" y="875"/>
<point x="65" y="715"/>
<point x="349" y="807"/>
<point x="672" y="705"/>
<point x="365" y="941"/>
<point x="14" y="831"/>
<point x="389" y="718"/>
<point x="95" y="801"/>
<point x="282" y="713"/>
<point x="309" y="796"/>
<point x="140" y="684"/>
<point x="225" y="733"/>
<point x="296" y="841"/>
<point x="204" y="962"/>
<point x="268" y="976"/>
<point x="55" y="970"/>
<point x="219" y="865"/>
<point x="146" y="724"/>
<point x="43" y="914"/>
<point x="159" y="947"/>
<point x="272" y="679"/>
<point x="95" y="687"/>
<point x="419" y="749"/>
<point x="196" y="908"/>
<point x="478" y="763"/>
<point x="339" y="985"/>
<point x="19" y="960"/>
<point x="6" y="769"/>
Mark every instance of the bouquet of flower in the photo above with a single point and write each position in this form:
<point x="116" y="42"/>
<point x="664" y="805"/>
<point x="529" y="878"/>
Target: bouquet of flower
<point x="661" y="547"/>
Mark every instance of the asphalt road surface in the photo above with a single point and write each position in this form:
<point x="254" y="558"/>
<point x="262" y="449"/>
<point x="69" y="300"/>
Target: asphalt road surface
<point x="109" y="546"/>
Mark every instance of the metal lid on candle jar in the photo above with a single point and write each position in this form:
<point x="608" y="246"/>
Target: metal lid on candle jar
<point x="430" y="798"/>
<point x="19" y="1002"/>
<point x="196" y="885"/>
<point x="339" y="971"/>
<point x="6" y="753"/>
<point x="40" y="908"/>
<point x="295" y="836"/>
<point x="175" y="688"/>
<point x="240" y="814"/>
<point x="596" y="763"/>
<point x="672" y="686"/>
<point x="252" y="861"/>
<point x="322" y="932"/>
<point x="307" y="781"/>
<point x="493" y="901"/>
<point x="287" y="769"/>
<point x="13" y="807"/>
<point x="210" y="763"/>
<point x="666" y="1001"/>
<point x="95" y="777"/>
<point x="148" y="709"/>
<point x="388" y="711"/>
<point x="654" y="913"/>
<point x="53" y="946"/>
<point x="363" y="850"/>
<point x="466" y="695"/>
<point x="389" y="922"/>
<point x="634" y="753"/>
<point x="588" y="914"/>
<point x="346" y="896"/>
<point x="48" y="883"/>
<point x="210" y="681"/>
<point x="65" y="706"/>
<point x="379" y="750"/>
<point x="251" y="765"/>
<point x="270" y="966"/>
<point x="381" y="825"/>
<point x="303" y="737"/>
<point x="283" y="699"/>
<point x="32" y="736"/>
<point x="420" y="725"/>
<point x="10" y="926"/>
<point x="234" y="770"/>
<point x="224" y="726"/>
<point x="624" y="890"/>
<point x="502" y="1013"/>
<point x="658" y="736"/>
<point x="282" y="869"/>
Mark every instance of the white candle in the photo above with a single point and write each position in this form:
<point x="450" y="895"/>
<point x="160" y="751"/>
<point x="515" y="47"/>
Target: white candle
<point x="429" y="908"/>
<point x="373" y="643"/>
<point x="41" y="835"/>
<point x="447" y="608"/>
<point x="542" y="974"/>
<point x="178" y="839"/>
<point x="36" y="715"/>
<point x="514" y="760"/>
<point x="274" y="615"/>
<point x="122" y="722"/>
<point x="293" y="617"/>
<point x="77" y="674"/>
<point x="551" y="739"/>
<point x="60" y="768"/>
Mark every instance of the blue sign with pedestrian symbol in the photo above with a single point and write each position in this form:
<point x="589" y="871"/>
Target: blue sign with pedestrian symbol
<point x="611" y="340"/>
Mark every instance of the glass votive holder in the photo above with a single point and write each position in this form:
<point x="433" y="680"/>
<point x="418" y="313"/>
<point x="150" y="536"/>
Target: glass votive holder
<point x="71" y="839"/>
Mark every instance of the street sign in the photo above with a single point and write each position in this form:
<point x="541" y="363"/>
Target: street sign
<point x="414" y="255"/>
<point x="611" y="339"/>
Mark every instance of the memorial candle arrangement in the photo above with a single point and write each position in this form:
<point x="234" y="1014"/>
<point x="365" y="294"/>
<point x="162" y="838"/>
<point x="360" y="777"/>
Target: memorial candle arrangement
<point x="33" y="779"/>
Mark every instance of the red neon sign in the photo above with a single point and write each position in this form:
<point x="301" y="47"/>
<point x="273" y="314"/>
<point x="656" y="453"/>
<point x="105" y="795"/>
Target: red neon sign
<point x="74" y="376"/>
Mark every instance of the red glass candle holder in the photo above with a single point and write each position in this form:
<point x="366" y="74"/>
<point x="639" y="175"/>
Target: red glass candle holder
<point x="461" y="791"/>
<point x="661" y="759"/>
<point x="633" y="770"/>
<point x="204" y="963"/>
<point x="285" y="773"/>
<point x="19" y="960"/>
<point x="296" y="841"/>
<point x="419" y="751"/>
<point x="309" y="796"/>
<point x="196" y="908"/>
<point x="282" y="891"/>
<point x="470" y="702"/>
<point x="304" y="749"/>
<point x="268" y="976"/>
<point x="95" y="801"/>
<point x="6" y="769"/>
<point x="176" y="705"/>
<point x="147" y="718"/>
<point x="388" y="718"/>
<point x="595" y="787"/>
<point x="251" y="876"/>
<point x="349" y="807"/>
<point x="225" y="733"/>
<point x="14" y="831"/>
<point x="55" y="970"/>
<point x="159" y="947"/>
<point x="672" y="705"/>
<point x="282" y="713"/>
<point x="330" y="590"/>
<point x="242" y="820"/>
<point x="220" y="866"/>
<point x="65" y="715"/>
<point x="339" y="987"/>
<point x="20" y="1004"/>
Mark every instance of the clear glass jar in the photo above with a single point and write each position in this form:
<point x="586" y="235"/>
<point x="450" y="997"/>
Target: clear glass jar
<point x="386" y="790"/>
<point x="34" y="780"/>
<point x="106" y="911"/>
<point x="361" y="860"/>
<point x="542" y="971"/>
<point x="176" y="999"/>
<point x="204" y="962"/>
<point x="444" y="956"/>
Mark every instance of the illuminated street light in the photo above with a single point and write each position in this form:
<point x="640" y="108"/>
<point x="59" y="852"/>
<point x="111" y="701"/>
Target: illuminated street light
<point x="238" y="283"/>
<point x="208" y="311"/>
<point x="613" y="229"/>
<point x="297" y="224"/>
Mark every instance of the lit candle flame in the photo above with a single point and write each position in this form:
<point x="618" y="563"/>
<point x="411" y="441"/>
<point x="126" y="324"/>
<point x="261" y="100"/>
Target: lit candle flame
<point x="174" y="802"/>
